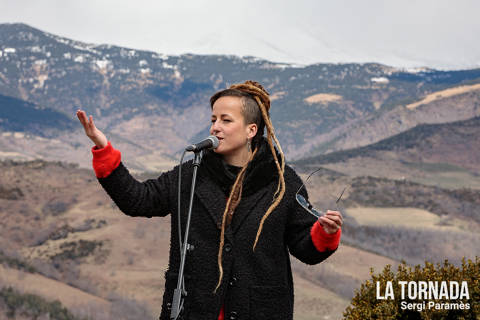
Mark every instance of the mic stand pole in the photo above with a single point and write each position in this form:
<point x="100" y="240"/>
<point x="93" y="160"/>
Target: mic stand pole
<point x="179" y="293"/>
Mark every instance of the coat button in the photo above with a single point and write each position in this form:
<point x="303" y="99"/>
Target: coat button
<point x="227" y="247"/>
<point x="233" y="315"/>
<point x="232" y="282"/>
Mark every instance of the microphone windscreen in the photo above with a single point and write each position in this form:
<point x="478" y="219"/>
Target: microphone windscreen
<point x="215" y="142"/>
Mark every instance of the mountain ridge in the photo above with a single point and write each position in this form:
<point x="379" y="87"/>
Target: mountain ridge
<point x="144" y="91"/>
<point x="443" y="154"/>
<point x="369" y="101"/>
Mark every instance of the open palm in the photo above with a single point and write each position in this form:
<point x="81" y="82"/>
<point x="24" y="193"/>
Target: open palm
<point x="91" y="130"/>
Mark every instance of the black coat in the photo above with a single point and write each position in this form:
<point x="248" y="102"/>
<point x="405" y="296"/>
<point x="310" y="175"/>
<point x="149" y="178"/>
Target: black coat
<point x="256" y="285"/>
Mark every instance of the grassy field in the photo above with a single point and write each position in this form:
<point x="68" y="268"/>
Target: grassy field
<point x="435" y="174"/>
<point x="404" y="217"/>
<point x="437" y="95"/>
<point x="71" y="297"/>
<point x="313" y="302"/>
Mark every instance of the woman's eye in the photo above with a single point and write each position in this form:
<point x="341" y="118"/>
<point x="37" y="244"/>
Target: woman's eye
<point x="227" y="120"/>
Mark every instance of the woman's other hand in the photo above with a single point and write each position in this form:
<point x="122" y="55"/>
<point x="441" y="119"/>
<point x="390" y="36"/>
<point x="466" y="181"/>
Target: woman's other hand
<point x="331" y="221"/>
<point x="91" y="131"/>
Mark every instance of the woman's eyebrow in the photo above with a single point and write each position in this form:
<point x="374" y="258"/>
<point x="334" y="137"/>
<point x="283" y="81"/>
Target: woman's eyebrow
<point x="222" y="115"/>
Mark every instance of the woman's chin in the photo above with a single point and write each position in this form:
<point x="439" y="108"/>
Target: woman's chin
<point x="222" y="151"/>
<point x="220" y="148"/>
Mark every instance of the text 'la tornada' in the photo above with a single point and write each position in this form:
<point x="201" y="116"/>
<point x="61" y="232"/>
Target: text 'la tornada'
<point x="425" y="290"/>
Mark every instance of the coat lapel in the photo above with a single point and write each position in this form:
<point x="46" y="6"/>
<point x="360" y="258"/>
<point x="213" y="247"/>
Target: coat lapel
<point x="212" y="198"/>
<point x="245" y="207"/>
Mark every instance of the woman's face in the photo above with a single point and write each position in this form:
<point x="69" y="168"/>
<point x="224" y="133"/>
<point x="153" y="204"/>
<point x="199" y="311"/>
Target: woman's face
<point x="228" y="125"/>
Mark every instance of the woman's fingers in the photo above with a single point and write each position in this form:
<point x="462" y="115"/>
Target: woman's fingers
<point x="328" y="225"/>
<point x="90" y="130"/>
<point x="335" y="216"/>
<point x="91" y="124"/>
<point x="86" y="122"/>
<point x="331" y="221"/>
<point x="82" y="116"/>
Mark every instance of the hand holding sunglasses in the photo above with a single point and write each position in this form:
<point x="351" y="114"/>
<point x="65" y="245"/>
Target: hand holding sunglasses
<point x="331" y="221"/>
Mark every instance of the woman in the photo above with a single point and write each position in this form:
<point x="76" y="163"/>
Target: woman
<point x="246" y="219"/>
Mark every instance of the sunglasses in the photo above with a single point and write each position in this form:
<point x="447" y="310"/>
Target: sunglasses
<point x="306" y="205"/>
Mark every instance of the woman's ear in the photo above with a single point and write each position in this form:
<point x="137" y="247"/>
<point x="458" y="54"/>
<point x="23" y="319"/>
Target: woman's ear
<point x="251" y="130"/>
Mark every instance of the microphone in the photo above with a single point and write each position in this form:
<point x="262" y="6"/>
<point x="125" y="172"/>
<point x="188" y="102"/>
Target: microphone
<point x="209" y="143"/>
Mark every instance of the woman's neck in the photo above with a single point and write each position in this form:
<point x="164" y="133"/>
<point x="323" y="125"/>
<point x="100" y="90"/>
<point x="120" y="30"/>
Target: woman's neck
<point x="238" y="160"/>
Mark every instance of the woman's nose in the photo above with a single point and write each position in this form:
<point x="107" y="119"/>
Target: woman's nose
<point x="214" y="128"/>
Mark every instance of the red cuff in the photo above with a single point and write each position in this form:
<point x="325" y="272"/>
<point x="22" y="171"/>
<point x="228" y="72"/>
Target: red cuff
<point x="105" y="160"/>
<point x="324" y="241"/>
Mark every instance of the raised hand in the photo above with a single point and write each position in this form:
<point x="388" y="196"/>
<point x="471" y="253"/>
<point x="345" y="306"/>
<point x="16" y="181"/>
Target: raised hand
<point x="91" y="131"/>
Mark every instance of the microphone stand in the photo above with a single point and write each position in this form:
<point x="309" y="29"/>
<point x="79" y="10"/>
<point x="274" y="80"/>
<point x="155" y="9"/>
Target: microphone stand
<point x="179" y="293"/>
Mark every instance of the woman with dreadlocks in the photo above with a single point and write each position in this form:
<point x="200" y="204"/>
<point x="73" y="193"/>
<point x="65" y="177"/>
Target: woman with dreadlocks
<point x="246" y="220"/>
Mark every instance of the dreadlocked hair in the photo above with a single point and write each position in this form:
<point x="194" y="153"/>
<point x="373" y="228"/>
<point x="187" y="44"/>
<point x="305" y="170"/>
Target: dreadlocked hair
<point x="254" y="98"/>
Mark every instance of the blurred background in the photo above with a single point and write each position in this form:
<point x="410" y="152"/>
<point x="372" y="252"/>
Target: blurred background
<point x="384" y="97"/>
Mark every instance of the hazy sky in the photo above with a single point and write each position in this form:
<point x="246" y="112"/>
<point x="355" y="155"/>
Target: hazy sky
<point x="407" y="33"/>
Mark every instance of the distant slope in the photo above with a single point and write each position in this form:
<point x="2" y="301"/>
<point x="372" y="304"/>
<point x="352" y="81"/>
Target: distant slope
<point x="21" y="116"/>
<point x="58" y="224"/>
<point x="33" y="283"/>
<point x="453" y="104"/>
<point x="456" y="137"/>
<point x="138" y="96"/>
<point x="27" y="306"/>
<point x="62" y="237"/>
<point x="438" y="95"/>
<point x="428" y="151"/>
<point x="449" y="226"/>
<point x="29" y="131"/>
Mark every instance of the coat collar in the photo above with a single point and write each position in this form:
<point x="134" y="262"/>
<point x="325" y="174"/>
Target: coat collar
<point x="260" y="171"/>
<point x="214" y="184"/>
